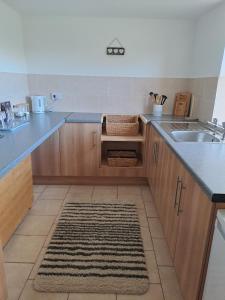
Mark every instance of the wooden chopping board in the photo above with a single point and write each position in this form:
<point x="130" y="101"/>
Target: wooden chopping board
<point x="182" y="104"/>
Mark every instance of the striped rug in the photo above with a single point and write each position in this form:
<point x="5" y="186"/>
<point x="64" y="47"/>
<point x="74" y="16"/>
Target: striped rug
<point x="97" y="248"/>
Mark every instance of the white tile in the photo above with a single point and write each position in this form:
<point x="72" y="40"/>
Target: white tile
<point x="22" y="248"/>
<point x="16" y="276"/>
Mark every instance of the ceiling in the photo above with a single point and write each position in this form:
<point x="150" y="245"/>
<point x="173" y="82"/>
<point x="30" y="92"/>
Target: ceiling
<point x="116" y="8"/>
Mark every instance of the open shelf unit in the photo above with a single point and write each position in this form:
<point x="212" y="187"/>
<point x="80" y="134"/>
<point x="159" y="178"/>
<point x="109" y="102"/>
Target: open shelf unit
<point x="136" y="143"/>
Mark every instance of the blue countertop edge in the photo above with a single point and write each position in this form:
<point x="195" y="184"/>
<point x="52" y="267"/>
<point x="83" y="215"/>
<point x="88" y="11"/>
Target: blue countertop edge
<point x="81" y="117"/>
<point x="215" y="197"/>
<point x="3" y="171"/>
<point x="24" y="154"/>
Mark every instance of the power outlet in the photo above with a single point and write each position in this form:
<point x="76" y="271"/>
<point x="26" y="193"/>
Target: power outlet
<point x="56" y="96"/>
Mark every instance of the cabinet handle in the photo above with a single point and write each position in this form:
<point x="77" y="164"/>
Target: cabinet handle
<point x="179" y="210"/>
<point x="155" y="152"/>
<point x="176" y="193"/>
<point x="94" y="138"/>
<point x="154" y="157"/>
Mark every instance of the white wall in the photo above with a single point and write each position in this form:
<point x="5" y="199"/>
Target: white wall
<point x="12" y="57"/>
<point x="13" y="79"/>
<point x="207" y="60"/>
<point x="76" y="46"/>
<point x="209" y="43"/>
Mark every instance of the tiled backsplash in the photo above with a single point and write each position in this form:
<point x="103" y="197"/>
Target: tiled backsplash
<point x="109" y="94"/>
<point x="106" y="94"/>
<point x="204" y="93"/>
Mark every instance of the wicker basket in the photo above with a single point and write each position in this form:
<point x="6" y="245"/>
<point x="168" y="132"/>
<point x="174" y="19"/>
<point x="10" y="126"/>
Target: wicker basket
<point x="122" y="125"/>
<point x="122" y="158"/>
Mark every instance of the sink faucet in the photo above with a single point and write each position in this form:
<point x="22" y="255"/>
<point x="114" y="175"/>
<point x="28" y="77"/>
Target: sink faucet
<point x="223" y="125"/>
<point x="215" y="122"/>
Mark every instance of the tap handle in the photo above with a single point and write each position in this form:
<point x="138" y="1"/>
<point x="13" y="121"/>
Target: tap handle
<point x="215" y="121"/>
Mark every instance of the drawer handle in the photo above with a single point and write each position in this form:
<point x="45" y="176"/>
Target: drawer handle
<point x="179" y="210"/>
<point x="155" y="152"/>
<point x="176" y="193"/>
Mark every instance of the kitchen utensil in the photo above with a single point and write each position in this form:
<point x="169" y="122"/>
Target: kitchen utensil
<point x="164" y="98"/>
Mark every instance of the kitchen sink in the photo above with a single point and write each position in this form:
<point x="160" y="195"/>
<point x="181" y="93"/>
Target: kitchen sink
<point x="193" y="136"/>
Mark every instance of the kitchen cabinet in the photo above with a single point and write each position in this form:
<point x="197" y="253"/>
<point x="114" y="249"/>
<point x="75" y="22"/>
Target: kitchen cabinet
<point x="79" y="149"/>
<point x="16" y="198"/>
<point x="185" y="212"/>
<point x="46" y="158"/>
<point x="153" y="158"/>
<point x="194" y="210"/>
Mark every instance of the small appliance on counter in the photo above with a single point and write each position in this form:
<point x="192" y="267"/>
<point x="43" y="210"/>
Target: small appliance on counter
<point x="38" y="104"/>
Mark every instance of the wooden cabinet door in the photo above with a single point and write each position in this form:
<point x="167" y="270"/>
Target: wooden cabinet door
<point x="46" y="158"/>
<point x="174" y="172"/>
<point x="195" y="212"/>
<point x="79" y="149"/>
<point x="155" y="161"/>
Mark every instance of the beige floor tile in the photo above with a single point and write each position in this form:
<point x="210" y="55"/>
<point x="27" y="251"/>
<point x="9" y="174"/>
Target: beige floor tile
<point x="81" y="189"/>
<point x="79" y="197"/>
<point x="146" y="238"/>
<point x="104" y="193"/>
<point x="59" y="186"/>
<point x="84" y="296"/>
<point x="142" y="218"/>
<point x="46" y="207"/>
<point x="22" y="248"/>
<point x="36" y="225"/>
<point x="152" y="267"/>
<point x="155" y="228"/>
<point x="37" y="263"/>
<point x="16" y="276"/>
<point x="30" y="294"/>
<point x="39" y="188"/>
<point x="162" y="252"/>
<point x="36" y="196"/>
<point x="154" y="293"/>
<point x="170" y="284"/>
<point x="150" y="209"/>
<point x="55" y="193"/>
<point x="146" y="193"/>
<point x="129" y="189"/>
<point x="47" y="241"/>
<point x="132" y="199"/>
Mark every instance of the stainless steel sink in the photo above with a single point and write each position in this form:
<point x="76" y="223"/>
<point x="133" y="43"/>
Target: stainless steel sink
<point x="193" y="136"/>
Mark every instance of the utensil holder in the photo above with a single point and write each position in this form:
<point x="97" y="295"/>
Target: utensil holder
<point x="157" y="110"/>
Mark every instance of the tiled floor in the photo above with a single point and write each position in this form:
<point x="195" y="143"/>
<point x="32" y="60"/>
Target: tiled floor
<point x="25" y="250"/>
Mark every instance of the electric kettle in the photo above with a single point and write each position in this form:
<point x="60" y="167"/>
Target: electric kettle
<point x="38" y="104"/>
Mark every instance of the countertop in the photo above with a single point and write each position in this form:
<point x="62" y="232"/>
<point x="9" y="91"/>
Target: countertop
<point x="16" y="145"/>
<point x="78" y="117"/>
<point x="205" y="161"/>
